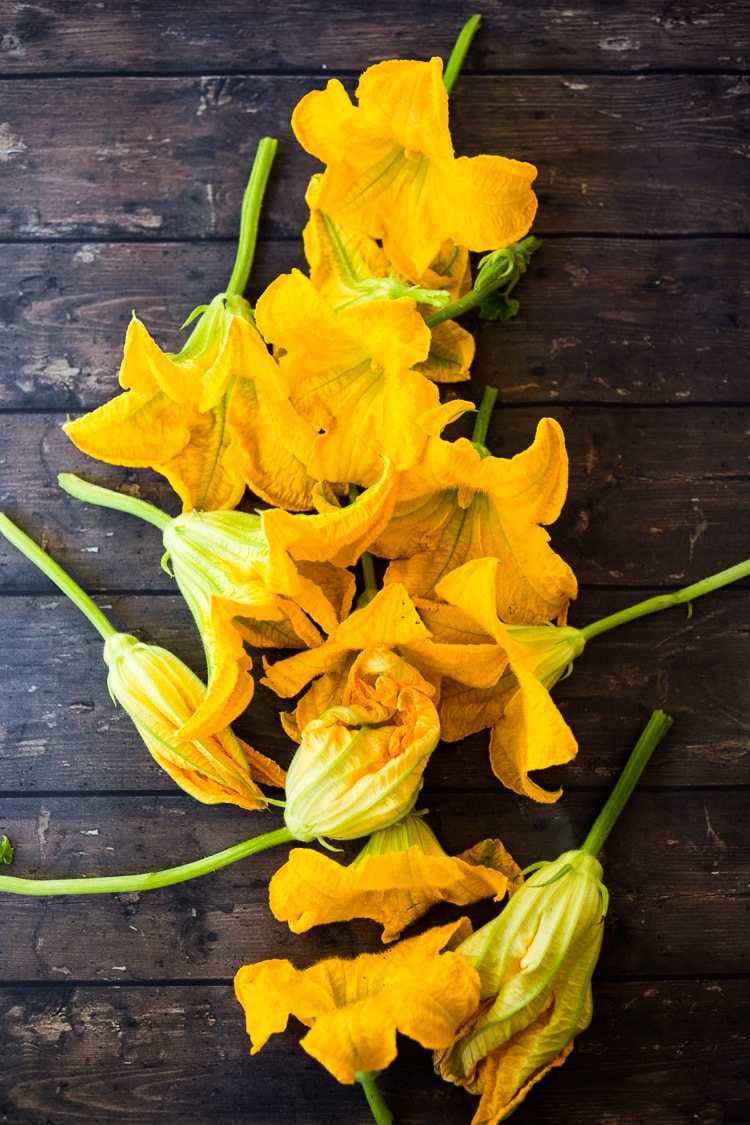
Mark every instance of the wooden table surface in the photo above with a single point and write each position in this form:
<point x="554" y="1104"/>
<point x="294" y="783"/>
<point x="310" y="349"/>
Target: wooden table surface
<point x="127" y="131"/>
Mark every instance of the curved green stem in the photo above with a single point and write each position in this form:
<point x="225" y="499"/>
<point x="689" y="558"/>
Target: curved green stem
<point x="652" y="734"/>
<point x="499" y="270"/>
<point x="114" y="884"/>
<point x="482" y="420"/>
<point x="375" y="1100"/>
<point x="458" y="54"/>
<point x="665" y="601"/>
<point x="109" y="498"/>
<point x="457" y="308"/>
<point x="250" y="216"/>
<point x="56" y="574"/>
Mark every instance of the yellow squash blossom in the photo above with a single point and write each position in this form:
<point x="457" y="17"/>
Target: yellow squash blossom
<point x="355" y="1008"/>
<point x="359" y="765"/>
<point x="458" y="505"/>
<point x="160" y="694"/>
<point x="212" y="419"/>
<point x="535" y="963"/>
<point x="400" y="873"/>
<point x="454" y="654"/>
<point x="349" y="374"/>
<point x="347" y="268"/>
<point x="274" y="578"/>
<point x="392" y="173"/>
<point x="530" y="733"/>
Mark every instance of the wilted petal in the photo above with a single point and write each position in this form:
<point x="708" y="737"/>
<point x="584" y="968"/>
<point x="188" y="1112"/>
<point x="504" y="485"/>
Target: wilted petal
<point x="392" y="881"/>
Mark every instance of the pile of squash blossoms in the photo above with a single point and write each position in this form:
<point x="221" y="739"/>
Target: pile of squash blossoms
<point x="409" y="574"/>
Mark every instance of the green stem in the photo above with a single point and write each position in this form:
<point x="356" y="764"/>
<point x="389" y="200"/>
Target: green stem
<point x="57" y="575"/>
<point x="375" y="1100"/>
<point x="652" y="734"/>
<point x="149" y="881"/>
<point x="665" y="601"/>
<point x="109" y="498"/>
<point x="250" y="216"/>
<point x="458" y="54"/>
<point x="482" y="420"/>
<point x="368" y="574"/>
<point x="463" y="304"/>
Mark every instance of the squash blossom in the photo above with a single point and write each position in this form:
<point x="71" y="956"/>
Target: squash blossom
<point x="215" y="417"/>
<point x="354" y="1008"/>
<point x="528" y="731"/>
<point x="392" y="173"/>
<point x="160" y="694"/>
<point x="400" y="873"/>
<point x="458" y="503"/>
<point x="535" y="963"/>
<point x="269" y="579"/>
<point x="359" y="765"/>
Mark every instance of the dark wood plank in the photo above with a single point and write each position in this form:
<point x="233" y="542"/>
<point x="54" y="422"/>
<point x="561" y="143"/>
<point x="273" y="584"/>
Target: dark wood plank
<point x="156" y="35"/>
<point x="73" y="1054"/>
<point x="678" y="896"/>
<point x="597" y="320"/>
<point x="653" y="497"/>
<point x="168" y="158"/>
<point x="60" y="731"/>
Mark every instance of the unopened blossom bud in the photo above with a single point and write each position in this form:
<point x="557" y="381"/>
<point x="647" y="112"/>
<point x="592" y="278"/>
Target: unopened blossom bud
<point x="535" y="963"/>
<point x="160" y="694"/>
<point x="359" y="765"/>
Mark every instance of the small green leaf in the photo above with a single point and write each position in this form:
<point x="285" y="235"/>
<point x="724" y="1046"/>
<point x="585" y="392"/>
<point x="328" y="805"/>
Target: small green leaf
<point x="6" y="850"/>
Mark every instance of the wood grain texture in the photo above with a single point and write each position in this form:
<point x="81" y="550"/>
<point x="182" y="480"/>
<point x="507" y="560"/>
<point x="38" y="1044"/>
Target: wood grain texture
<point x="149" y="158"/>
<point x="124" y="1054"/>
<point x="156" y="35"/>
<point x="601" y="320"/>
<point x="127" y="130"/>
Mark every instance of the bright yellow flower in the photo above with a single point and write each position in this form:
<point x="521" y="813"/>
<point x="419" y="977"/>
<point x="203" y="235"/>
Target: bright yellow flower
<point x="273" y="578"/>
<point x="535" y="963"/>
<point x="390" y="619"/>
<point x="458" y="505"/>
<point x="454" y="654"/>
<point x="347" y="267"/>
<point x="359" y="765"/>
<point x="530" y="734"/>
<point x="401" y="872"/>
<point x="355" y="1008"/>
<point x="392" y="173"/>
<point x="160" y="694"/>
<point x="212" y="419"/>
<point x="349" y="374"/>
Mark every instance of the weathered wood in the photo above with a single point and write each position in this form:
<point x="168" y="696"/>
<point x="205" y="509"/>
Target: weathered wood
<point x="75" y="1054"/>
<point x="602" y="320"/>
<point x="143" y="158"/>
<point x="653" y="497"/>
<point x="678" y="895"/>
<point x="127" y="131"/>
<point x="157" y="36"/>
<point x="60" y="732"/>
